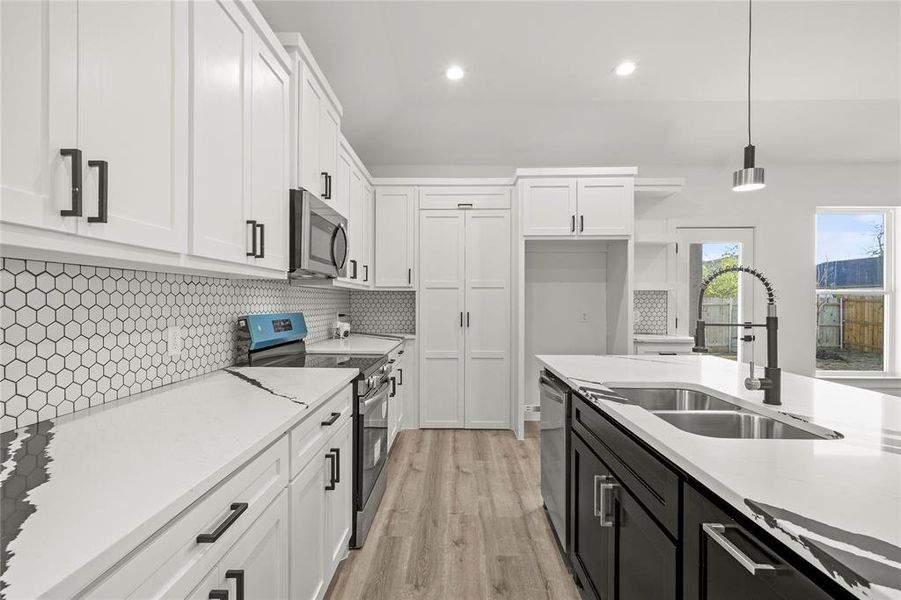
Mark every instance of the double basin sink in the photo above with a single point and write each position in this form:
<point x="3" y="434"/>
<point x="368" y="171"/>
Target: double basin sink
<point x="703" y="414"/>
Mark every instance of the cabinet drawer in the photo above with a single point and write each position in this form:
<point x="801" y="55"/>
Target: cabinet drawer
<point x="648" y="479"/>
<point x="453" y="198"/>
<point x="309" y="435"/>
<point x="172" y="562"/>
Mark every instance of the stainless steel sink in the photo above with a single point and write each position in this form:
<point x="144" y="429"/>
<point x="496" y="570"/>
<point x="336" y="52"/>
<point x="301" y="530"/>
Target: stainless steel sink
<point x="673" y="399"/>
<point x="741" y="425"/>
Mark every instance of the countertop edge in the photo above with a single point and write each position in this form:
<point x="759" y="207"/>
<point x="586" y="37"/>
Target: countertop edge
<point x="99" y="565"/>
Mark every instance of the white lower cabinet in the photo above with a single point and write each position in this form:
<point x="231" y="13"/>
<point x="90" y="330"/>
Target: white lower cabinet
<point x="397" y="397"/>
<point x="465" y="317"/>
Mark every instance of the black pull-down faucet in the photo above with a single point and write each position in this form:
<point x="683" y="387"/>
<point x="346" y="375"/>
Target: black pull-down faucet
<point x="771" y="384"/>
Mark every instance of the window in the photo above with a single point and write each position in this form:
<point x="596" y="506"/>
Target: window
<point x="854" y="290"/>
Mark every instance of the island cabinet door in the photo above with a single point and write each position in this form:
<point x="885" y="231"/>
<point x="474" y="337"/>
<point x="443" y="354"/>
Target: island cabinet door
<point x="724" y="561"/>
<point x="592" y="544"/>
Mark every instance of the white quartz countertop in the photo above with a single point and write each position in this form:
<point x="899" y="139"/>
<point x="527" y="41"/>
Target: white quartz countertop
<point x="101" y="481"/>
<point x="356" y="344"/>
<point x="835" y="502"/>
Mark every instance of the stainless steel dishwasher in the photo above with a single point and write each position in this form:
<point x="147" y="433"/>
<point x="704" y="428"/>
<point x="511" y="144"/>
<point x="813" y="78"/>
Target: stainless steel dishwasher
<point x="555" y="447"/>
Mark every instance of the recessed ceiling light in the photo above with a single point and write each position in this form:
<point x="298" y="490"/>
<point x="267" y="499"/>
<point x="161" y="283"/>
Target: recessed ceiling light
<point x="454" y="72"/>
<point x="624" y="69"/>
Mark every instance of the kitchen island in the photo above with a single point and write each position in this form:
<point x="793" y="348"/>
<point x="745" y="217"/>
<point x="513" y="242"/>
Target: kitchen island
<point x="832" y="500"/>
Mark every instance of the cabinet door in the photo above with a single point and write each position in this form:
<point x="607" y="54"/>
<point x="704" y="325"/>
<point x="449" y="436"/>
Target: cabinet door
<point x="257" y="565"/>
<point x="133" y="113"/>
<point x="403" y="386"/>
<point x="442" y="289"/>
<point x="308" y="541"/>
<point x="311" y="100"/>
<point x="341" y="183"/>
<point x="38" y="101"/>
<point x="549" y="207"/>
<point x="338" y="502"/>
<point x="368" y="257"/>
<point x="222" y="47"/>
<point x="712" y="542"/>
<point x="592" y="545"/>
<point x="355" y="228"/>
<point x="343" y="197"/>
<point x="394" y="237"/>
<point x="606" y="207"/>
<point x="487" y="319"/>
<point x="329" y="131"/>
<point x="269" y="156"/>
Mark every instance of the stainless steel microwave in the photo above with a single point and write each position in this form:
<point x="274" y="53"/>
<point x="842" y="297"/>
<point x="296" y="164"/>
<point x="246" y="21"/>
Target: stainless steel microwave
<point x="318" y="238"/>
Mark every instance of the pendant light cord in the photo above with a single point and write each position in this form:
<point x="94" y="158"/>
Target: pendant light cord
<point x="749" y="72"/>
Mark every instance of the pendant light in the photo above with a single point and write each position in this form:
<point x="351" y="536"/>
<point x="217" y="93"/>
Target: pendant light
<point x="749" y="178"/>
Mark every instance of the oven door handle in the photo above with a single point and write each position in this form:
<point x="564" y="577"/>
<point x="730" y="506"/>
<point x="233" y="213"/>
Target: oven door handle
<point x="377" y="397"/>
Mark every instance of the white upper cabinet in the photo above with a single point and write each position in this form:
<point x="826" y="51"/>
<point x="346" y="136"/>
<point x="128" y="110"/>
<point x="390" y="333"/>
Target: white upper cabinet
<point x="222" y="46"/>
<point x="606" y="206"/>
<point x="394" y="225"/>
<point x="549" y="207"/>
<point x="574" y="207"/>
<point x="310" y="106"/>
<point x="241" y="91"/>
<point x="329" y="132"/>
<point x="133" y="121"/>
<point x="38" y="100"/>
<point x="269" y="157"/>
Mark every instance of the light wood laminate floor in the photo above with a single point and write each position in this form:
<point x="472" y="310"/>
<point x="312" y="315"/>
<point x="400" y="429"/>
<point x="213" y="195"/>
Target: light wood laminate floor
<point x="462" y="518"/>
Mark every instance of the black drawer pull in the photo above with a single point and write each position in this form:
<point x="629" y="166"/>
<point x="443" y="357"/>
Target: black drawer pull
<point x="102" y="191"/>
<point x="331" y="484"/>
<point x="253" y="239"/>
<point x="262" y="252"/>
<point x="75" y="155"/>
<point x="401" y="373"/>
<point x="331" y="419"/>
<point x="464" y="204"/>
<point x="237" y="509"/>
<point x="218" y="595"/>
<point x="238" y="576"/>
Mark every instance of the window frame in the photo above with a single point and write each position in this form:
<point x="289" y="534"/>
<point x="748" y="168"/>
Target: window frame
<point x="888" y="291"/>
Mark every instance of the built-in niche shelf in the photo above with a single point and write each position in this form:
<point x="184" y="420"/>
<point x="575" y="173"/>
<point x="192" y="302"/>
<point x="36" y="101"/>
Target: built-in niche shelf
<point x="657" y="188"/>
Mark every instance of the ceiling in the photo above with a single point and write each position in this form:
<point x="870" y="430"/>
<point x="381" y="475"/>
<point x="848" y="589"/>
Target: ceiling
<point x="539" y="88"/>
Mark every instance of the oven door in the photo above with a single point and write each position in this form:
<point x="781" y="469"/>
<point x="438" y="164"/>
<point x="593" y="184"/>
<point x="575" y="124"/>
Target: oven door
<point x="318" y="238"/>
<point x="372" y="429"/>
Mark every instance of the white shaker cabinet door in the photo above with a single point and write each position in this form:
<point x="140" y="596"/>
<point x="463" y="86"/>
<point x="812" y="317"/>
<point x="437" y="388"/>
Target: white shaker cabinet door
<point x="394" y="237"/>
<point x="487" y="319"/>
<point x="308" y="546"/>
<point x="222" y="47"/>
<point x="38" y="112"/>
<point x="311" y="101"/>
<point x="329" y="131"/>
<point x="133" y="114"/>
<point x="442" y="283"/>
<point x="549" y="207"/>
<point x="257" y="565"/>
<point x="606" y="206"/>
<point x="269" y="157"/>
<point x="338" y="505"/>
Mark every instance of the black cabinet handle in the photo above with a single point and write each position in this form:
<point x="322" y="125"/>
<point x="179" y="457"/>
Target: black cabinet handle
<point x="467" y="318"/>
<point x="329" y="186"/>
<point x="331" y="484"/>
<point x="102" y="191"/>
<point x="325" y="184"/>
<point x="393" y="388"/>
<point x="353" y="263"/>
<point x="573" y="224"/>
<point x="238" y="576"/>
<point x="365" y="272"/>
<point x="262" y="252"/>
<point x="75" y="155"/>
<point x="337" y="462"/>
<point x="237" y="509"/>
<point x="401" y="373"/>
<point x="218" y="595"/>
<point x="331" y="420"/>
<point x="461" y="318"/>
<point x="464" y="204"/>
<point x="409" y="276"/>
<point x="253" y="239"/>
<point x="581" y="223"/>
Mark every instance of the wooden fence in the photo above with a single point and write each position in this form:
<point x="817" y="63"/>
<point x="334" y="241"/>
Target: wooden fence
<point x="851" y="322"/>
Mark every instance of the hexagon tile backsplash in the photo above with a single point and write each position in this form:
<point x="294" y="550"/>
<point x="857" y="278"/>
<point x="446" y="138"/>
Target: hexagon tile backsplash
<point x="77" y="336"/>
<point x="383" y="312"/>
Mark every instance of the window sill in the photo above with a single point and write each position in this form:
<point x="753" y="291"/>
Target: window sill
<point x="887" y="383"/>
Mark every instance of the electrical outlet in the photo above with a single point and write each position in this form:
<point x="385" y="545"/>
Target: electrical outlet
<point x="175" y="341"/>
<point x="583" y="317"/>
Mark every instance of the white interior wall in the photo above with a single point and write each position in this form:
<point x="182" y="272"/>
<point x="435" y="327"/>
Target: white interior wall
<point x="563" y="280"/>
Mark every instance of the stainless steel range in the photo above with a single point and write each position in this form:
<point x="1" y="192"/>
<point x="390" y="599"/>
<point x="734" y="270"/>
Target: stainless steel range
<point x="277" y="340"/>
